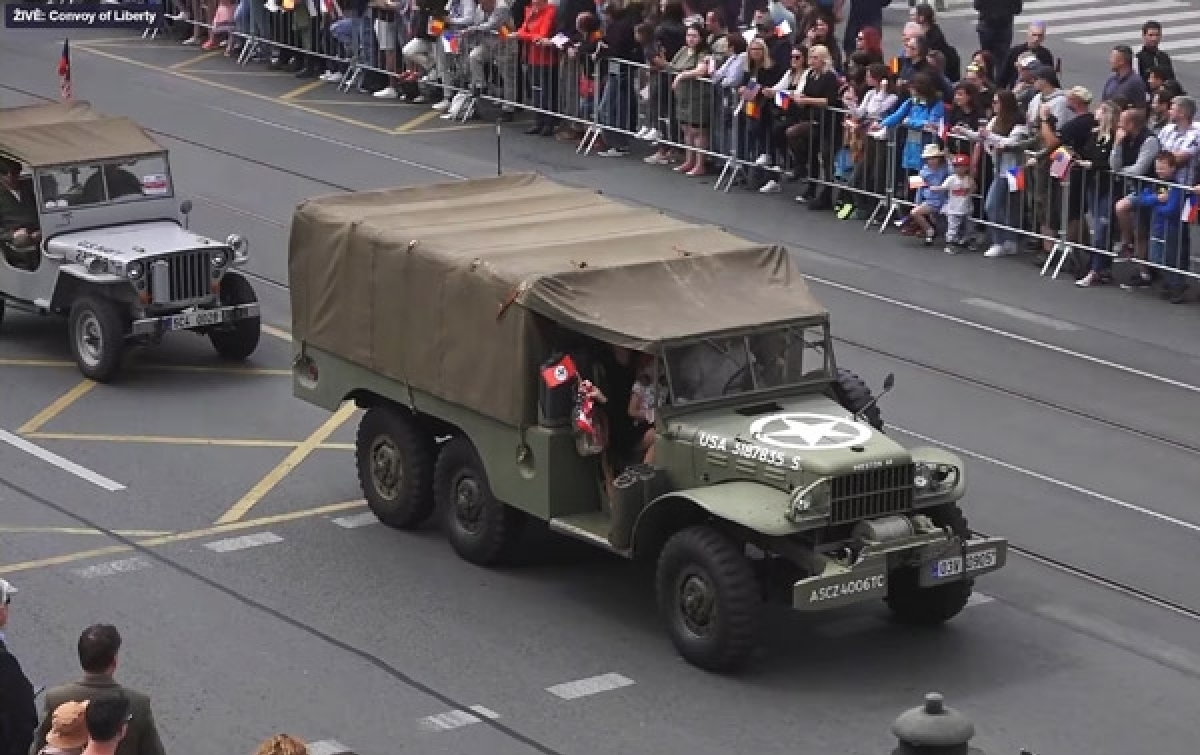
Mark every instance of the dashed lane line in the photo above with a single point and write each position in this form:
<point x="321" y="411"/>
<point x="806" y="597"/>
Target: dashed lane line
<point x="66" y="465"/>
<point x="169" y="440"/>
<point x="79" y="531"/>
<point x="123" y="566"/>
<point x="456" y="719"/>
<point x="356" y="520"/>
<point x="593" y="685"/>
<point x="202" y="368"/>
<point x="179" y="537"/>
<point x="327" y="747"/>
<point x="243" y="542"/>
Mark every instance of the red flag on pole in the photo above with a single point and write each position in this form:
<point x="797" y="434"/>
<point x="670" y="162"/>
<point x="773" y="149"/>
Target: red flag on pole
<point x="64" y="70"/>
<point x="561" y="372"/>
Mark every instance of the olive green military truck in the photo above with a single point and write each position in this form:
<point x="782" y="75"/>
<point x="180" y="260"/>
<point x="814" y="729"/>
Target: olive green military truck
<point x="464" y="319"/>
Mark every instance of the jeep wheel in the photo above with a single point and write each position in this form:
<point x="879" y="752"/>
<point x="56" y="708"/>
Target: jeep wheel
<point x="709" y="598"/>
<point x="395" y="467"/>
<point x="237" y="340"/>
<point x="929" y="606"/>
<point x="482" y="530"/>
<point x="853" y="394"/>
<point x="97" y="334"/>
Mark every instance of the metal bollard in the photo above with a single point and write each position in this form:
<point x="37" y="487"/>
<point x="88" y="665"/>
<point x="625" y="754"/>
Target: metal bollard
<point x="934" y="729"/>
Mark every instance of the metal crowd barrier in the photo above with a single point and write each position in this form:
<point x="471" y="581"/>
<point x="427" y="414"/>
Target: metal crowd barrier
<point x="1065" y="207"/>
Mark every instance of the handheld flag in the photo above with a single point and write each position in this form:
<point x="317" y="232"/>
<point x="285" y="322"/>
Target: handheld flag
<point x="916" y="182"/>
<point x="436" y="27"/>
<point x="783" y="99"/>
<point x="943" y="130"/>
<point x="1016" y="178"/>
<point x="895" y="66"/>
<point x="1060" y="163"/>
<point x="450" y="42"/>
<point x="1191" y="209"/>
<point x="504" y="32"/>
<point x="560" y="373"/>
<point x="64" y="70"/>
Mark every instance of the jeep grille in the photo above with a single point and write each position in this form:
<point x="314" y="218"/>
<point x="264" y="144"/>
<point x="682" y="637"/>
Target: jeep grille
<point x="878" y="492"/>
<point x="186" y="277"/>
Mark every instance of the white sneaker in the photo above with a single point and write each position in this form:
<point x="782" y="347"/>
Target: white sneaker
<point x="1089" y="280"/>
<point x="652" y="135"/>
<point x="1007" y="249"/>
<point x="387" y="94"/>
<point x="656" y="159"/>
<point x="327" y="76"/>
<point x="771" y="187"/>
<point x="273" y="6"/>
<point x="641" y="134"/>
<point x="763" y="161"/>
<point x="442" y="106"/>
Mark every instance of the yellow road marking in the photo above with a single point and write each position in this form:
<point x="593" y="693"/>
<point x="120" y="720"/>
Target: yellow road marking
<point x="293" y="460"/>
<point x="187" y="76"/>
<point x="355" y="101"/>
<point x="421" y="119"/>
<point x="302" y="89"/>
<point x="193" y="61"/>
<point x="79" y="531"/>
<point x="152" y="542"/>
<point x="171" y="440"/>
<point x="279" y="333"/>
<point x="155" y="367"/>
<point x="60" y="405"/>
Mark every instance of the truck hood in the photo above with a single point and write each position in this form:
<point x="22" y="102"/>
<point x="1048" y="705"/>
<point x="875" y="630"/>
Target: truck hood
<point x="789" y="441"/>
<point x="128" y="242"/>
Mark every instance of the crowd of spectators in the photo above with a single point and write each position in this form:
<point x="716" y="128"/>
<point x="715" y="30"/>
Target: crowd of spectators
<point x="848" y="118"/>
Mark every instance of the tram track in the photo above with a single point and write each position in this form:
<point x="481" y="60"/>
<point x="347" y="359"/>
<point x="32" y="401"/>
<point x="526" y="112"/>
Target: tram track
<point x="1087" y="575"/>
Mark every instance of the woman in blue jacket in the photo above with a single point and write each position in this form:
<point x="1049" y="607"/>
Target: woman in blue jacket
<point x="921" y="115"/>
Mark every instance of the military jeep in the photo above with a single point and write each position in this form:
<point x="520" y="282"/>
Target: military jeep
<point x="457" y="314"/>
<point x="112" y="251"/>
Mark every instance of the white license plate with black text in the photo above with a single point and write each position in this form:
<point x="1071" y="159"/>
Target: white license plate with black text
<point x="198" y="319"/>
<point x="949" y="567"/>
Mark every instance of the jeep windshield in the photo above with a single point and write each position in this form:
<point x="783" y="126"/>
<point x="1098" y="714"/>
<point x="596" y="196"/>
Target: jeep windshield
<point x="101" y="183"/>
<point x="715" y="368"/>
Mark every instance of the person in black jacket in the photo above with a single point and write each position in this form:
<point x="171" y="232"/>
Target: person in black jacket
<point x="18" y="712"/>
<point x="1150" y="57"/>
<point x="995" y="29"/>
<point x="1034" y="39"/>
<point x="936" y="39"/>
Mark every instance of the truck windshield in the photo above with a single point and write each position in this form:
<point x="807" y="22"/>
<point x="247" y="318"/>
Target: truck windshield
<point x="95" y="184"/>
<point x="732" y="365"/>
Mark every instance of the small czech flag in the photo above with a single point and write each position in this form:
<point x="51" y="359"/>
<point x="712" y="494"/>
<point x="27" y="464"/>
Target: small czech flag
<point x="1016" y="178"/>
<point x="1191" y="209"/>
<point x="783" y="99"/>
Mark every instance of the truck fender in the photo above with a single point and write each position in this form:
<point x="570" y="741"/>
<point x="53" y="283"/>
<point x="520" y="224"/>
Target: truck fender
<point x="747" y="504"/>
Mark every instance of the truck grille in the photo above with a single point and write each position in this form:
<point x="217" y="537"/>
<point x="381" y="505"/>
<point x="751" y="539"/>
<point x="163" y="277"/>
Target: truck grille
<point x="878" y="492"/>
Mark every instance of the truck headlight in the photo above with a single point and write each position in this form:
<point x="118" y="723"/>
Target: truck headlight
<point x="135" y="270"/>
<point x="930" y="478"/>
<point x="813" y="500"/>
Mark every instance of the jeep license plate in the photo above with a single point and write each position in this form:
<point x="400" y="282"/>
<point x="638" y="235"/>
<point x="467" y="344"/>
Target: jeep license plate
<point x="198" y="319"/>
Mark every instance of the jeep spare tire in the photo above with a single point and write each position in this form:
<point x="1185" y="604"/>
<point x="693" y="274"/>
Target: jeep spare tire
<point x="97" y="332"/>
<point x="853" y="394"/>
<point x="237" y="340"/>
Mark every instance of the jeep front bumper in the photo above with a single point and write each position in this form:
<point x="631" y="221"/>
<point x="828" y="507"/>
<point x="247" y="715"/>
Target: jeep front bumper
<point x="939" y="558"/>
<point x="193" y="319"/>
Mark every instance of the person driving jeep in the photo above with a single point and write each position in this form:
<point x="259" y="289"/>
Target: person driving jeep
<point x="20" y="231"/>
<point x="120" y="183"/>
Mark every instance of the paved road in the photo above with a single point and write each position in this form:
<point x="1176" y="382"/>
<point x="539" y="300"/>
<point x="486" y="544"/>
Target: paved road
<point x="300" y="613"/>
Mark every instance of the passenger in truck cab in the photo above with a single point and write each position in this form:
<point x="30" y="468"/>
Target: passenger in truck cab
<point x="119" y="182"/>
<point x="19" y="227"/>
<point x="647" y="394"/>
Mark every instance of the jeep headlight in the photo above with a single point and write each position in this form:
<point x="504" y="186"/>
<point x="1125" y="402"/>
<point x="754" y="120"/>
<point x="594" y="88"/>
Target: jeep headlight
<point x="135" y="271"/>
<point x="96" y="265"/>
<point x="811" y="501"/>
<point x="931" y="478"/>
<point x="238" y="244"/>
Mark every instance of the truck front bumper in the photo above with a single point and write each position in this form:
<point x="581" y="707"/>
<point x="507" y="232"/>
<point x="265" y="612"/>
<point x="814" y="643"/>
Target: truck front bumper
<point x="193" y="319"/>
<point x="938" y="558"/>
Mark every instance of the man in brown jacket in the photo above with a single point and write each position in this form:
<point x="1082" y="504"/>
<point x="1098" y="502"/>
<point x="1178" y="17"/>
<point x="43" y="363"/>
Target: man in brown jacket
<point x="98" y="648"/>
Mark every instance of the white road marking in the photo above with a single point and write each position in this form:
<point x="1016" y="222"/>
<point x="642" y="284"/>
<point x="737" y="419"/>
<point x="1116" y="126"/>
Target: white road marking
<point x="1167" y="518"/>
<point x="1007" y="334"/>
<point x="979" y="599"/>
<point x="1128" y="32"/>
<point x="591" y="686"/>
<point x="485" y="712"/>
<point x="66" y="465"/>
<point x="1033" y="11"/>
<point x="455" y="719"/>
<point x="245" y="541"/>
<point x="1020" y="314"/>
<point x="327" y="747"/>
<point x="356" y="520"/>
<point x="110" y="568"/>
<point x="1029" y="10"/>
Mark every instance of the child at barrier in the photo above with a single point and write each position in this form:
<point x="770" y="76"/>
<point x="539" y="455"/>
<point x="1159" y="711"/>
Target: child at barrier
<point x="929" y="196"/>
<point x="1166" y="222"/>
<point x="959" y="188"/>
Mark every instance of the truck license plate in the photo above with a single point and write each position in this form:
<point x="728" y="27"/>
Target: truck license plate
<point x="197" y="319"/>
<point x="985" y="559"/>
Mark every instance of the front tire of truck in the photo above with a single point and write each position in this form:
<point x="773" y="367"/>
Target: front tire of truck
<point x="482" y="530"/>
<point x="239" y="339"/>
<point x="709" y="598"/>
<point x="930" y="606"/>
<point x="97" y="333"/>
<point x="853" y="393"/>
<point x="395" y="468"/>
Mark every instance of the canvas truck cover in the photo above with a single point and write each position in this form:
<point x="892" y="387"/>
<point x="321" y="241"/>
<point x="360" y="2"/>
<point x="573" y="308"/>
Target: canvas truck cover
<point x="439" y="285"/>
